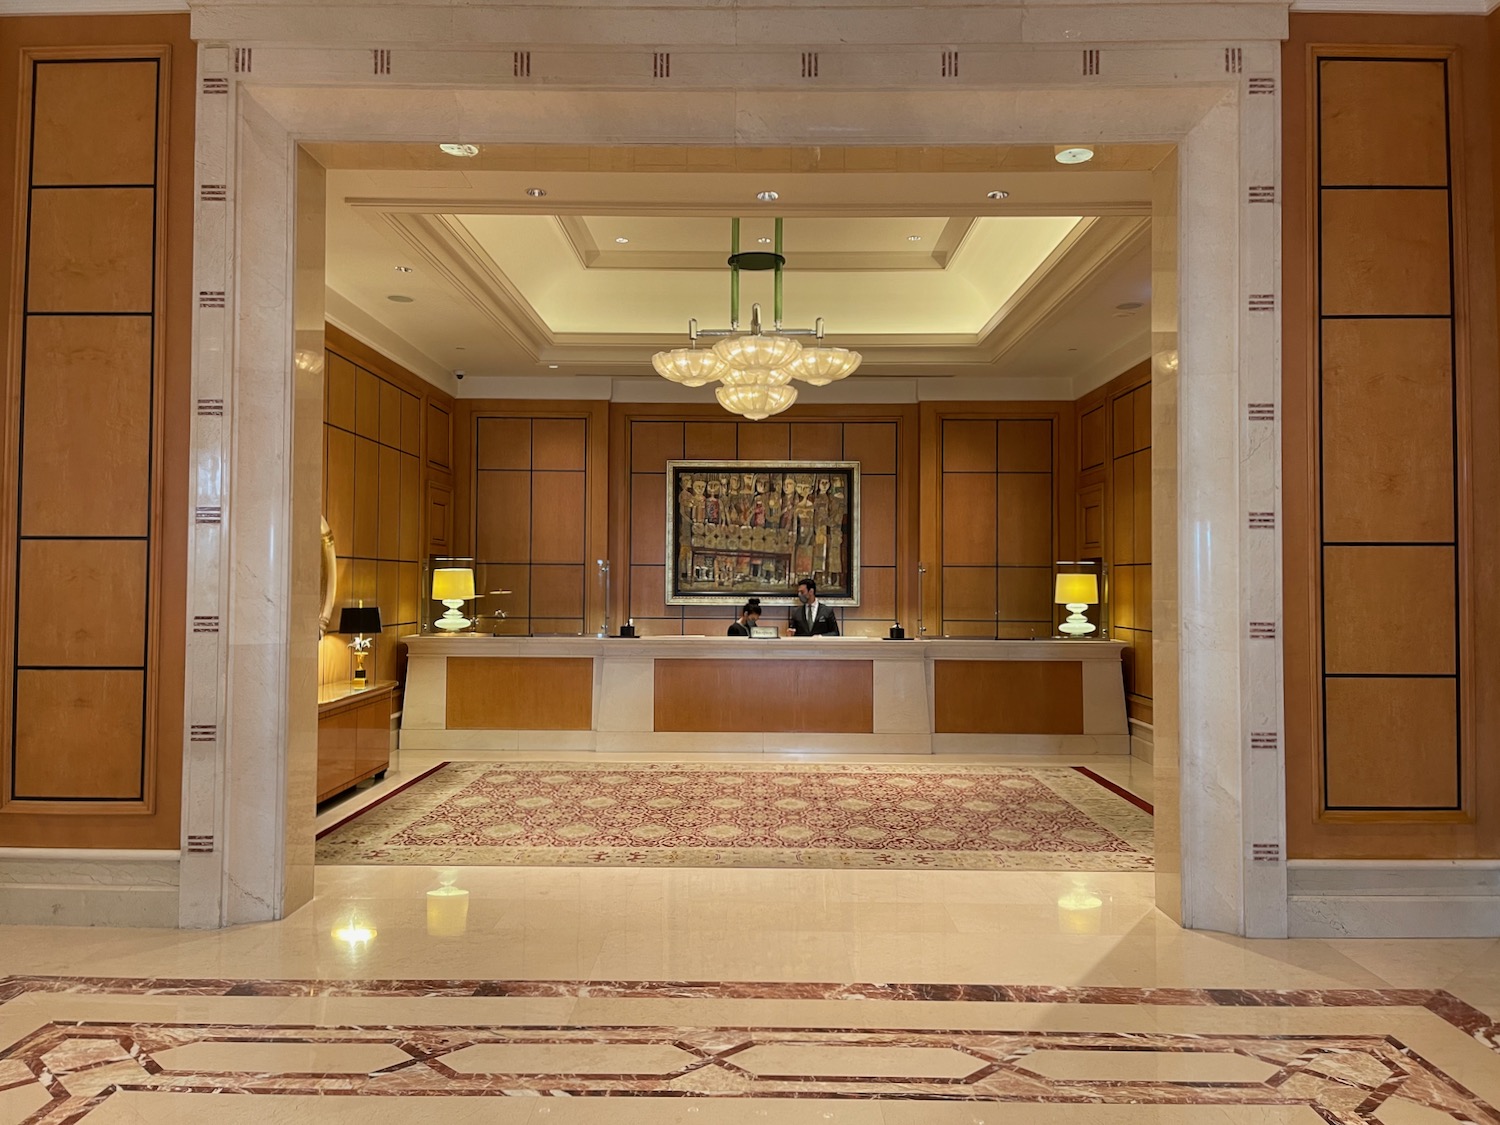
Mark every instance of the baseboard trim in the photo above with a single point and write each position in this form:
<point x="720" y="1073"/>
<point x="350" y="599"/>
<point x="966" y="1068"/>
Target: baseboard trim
<point x="1393" y="898"/>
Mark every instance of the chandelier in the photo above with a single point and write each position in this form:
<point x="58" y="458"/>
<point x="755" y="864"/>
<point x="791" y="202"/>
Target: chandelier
<point x="755" y="369"/>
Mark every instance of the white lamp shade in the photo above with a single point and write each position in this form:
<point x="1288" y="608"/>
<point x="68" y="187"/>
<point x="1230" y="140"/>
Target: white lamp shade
<point x="1077" y="589"/>
<point x="746" y="352"/>
<point x="821" y="366"/>
<point x="758" y="376"/>
<point x="452" y="584"/>
<point x="755" y="400"/>
<point x="689" y="366"/>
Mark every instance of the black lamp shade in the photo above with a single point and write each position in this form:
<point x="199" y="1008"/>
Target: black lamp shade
<point x="360" y="619"/>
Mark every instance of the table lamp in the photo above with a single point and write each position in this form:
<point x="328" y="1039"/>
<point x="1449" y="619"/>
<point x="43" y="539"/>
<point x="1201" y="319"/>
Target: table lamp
<point x="364" y="622"/>
<point x="452" y="586"/>
<point x="1077" y="592"/>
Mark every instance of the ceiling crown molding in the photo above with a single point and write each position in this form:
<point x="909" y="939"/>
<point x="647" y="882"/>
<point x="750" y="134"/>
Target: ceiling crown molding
<point x="93" y="7"/>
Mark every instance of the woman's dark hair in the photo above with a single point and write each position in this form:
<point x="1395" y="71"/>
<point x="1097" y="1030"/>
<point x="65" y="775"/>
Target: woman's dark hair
<point x="752" y="606"/>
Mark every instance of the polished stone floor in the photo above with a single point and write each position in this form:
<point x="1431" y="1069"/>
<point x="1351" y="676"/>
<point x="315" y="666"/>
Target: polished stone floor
<point x="661" y="995"/>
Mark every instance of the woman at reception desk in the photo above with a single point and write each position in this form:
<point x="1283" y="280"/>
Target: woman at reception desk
<point x="717" y="694"/>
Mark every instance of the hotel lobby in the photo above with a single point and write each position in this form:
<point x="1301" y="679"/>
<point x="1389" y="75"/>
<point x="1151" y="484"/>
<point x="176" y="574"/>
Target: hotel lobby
<point x="889" y="562"/>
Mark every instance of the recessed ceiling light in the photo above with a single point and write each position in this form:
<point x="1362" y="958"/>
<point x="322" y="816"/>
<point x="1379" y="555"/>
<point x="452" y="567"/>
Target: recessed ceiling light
<point x="403" y="269"/>
<point x="764" y="241"/>
<point x="553" y="366"/>
<point x="997" y="195"/>
<point x="460" y="150"/>
<point x="536" y="192"/>
<point x="768" y="196"/>
<point x="914" y="238"/>
<point x="1073" y="154"/>
<point x="400" y="300"/>
<point x="1129" y="306"/>
<point x="622" y="241"/>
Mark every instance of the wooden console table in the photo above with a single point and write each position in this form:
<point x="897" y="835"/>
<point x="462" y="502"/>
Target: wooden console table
<point x="354" y="735"/>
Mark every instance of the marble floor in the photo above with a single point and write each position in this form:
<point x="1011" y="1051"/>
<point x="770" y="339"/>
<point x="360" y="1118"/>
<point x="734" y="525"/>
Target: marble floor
<point x="725" y="996"/>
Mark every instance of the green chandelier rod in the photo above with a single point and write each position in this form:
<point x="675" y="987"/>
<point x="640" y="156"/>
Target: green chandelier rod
<point x="773" y="260"/>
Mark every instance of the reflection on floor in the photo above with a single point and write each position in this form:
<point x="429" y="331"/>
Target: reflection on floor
<point x="784" y="814"/>
<point x="516" y="994"/>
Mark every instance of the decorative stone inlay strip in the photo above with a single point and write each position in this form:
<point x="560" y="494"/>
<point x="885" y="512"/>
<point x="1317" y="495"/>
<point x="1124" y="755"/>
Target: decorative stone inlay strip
<point x="1343" y="1077"/>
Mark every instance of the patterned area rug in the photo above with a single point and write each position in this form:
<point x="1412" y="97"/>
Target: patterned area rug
<point x="670" y="814"/>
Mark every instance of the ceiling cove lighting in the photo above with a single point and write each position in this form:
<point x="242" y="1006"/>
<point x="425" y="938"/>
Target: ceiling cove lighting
<point x="1073" y="154"/>
<point x="755" y="369"/>
<point x="460" y="150"/>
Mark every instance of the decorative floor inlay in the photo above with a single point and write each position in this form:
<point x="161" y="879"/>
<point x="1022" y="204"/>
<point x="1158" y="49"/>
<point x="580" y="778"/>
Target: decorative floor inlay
<point x="784" y="815"/>
<point x="62" y="1069"/>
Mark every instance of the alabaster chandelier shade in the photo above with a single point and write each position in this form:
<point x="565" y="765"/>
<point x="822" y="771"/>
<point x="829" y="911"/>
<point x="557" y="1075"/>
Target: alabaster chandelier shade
<point x="689" y="366"/>
<point x="755" y="368"/>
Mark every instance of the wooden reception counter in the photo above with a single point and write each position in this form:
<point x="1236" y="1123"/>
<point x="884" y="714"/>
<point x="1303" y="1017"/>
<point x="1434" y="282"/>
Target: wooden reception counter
<point x="830" y="694"/>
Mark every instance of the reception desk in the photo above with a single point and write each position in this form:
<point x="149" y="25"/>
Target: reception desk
<point x="717" y="694"/>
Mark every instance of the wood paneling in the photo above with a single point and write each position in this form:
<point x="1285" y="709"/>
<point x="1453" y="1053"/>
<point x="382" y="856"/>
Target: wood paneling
<point x="502" y="516"/>
<point x="878" y="520"/>
<point x="78" y="735"/>
<point x="107" y="110"/>
<point x="503" y="443"/>
<point x="1387" y="448"/>
<point x="1392" y="744"/>
<point x="1091" y="441"/>
<point x="558" y="517"/>
<point x="439" y="437"/>
<point x="1024" y="446"/>
<point x="731" y="696"/>
<point x="708" y="441"/>
<point x="520" y="693"/>
<point x="354" y="739"/>
<point x="817" y="441"/>
<point x="764" y="441"/>
<point x="87" y="421"/>
<point x="1025" y="594"/>
<point x="969" y="514"/>
<point x="559" y="443"/>
<point x="653" y="444"/>
<point x="872" y="444"/>
<point x="1389" y="698"/>
<point x="82" y="603"/>
<point x="91" y="250"/>
<point x="1007" y="697"/>
<point x="557" y="591"/>
<point x="388" y="508"/>
<point x="1383" y="122"/>
<point x="969" y="593"/>
<point x="1402" y="273"/>
<point x="1389" y="610"/>
<point x="1091" y="521"/>
<point x="1024" y="507"/>
<point x="648" y="514"/>
<point x="99" y="417"/>
<point x="968" y="446"/>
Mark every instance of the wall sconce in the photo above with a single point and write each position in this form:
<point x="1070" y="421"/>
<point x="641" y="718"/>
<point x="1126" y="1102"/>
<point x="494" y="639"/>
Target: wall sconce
<point x="452" y="586"/>
<point x="364" y="623"/>
<point x="1077" y="592"/>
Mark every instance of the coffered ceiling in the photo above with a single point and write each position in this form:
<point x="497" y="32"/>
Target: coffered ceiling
<point x="556" y="272"/>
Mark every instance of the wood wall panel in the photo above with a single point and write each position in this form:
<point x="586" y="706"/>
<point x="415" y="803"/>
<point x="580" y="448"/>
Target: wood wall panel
<point x="520" y="693"/>
<point x="91" y="250"/>
<point x="1007" y="697"/>
<point x="788" y="696"/>
<point x="879" y="519"/>
<point x="653" y="444"/>
<point x="87" y="418"/>
<point x="534" y="526"/>
<point x="1390" y="343"/>
<point x="78" y="735"/>
<point x="1024" y="534"/>
<point x="817" y="441"/>
<point x="1392" y="744"/>
<point x="98" y="404"/>
<point x="968" y="446"/>
<point x="1383" y="122"/>
<point x="969" y="514"/>
<point x="763" y="441"/>
<point x="385" y="503"/>
<point x="1113" y="511"/>
<point x="873" y="444"/>
<point x="708" y="441"/>
<point x="1387" y="450"/>
<point x="1404" y="272"/>
<point x="82" y="603"/>
<point x="648" y="518"/>
<point x="108" y="112"/>
<point x="1389" y="610"/>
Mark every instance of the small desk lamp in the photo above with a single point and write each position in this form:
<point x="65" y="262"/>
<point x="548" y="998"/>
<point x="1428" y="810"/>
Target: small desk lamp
<point x="1077" y="592"/>
<point x="360" y="620"/>
<point x="452" y="586"/>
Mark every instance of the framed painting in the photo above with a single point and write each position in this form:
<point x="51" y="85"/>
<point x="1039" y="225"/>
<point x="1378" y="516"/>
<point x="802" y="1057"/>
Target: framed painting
<point x="741" y="529"/>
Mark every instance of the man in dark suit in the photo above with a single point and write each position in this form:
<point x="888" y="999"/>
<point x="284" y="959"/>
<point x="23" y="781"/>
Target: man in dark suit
<point x="811" y="618"/>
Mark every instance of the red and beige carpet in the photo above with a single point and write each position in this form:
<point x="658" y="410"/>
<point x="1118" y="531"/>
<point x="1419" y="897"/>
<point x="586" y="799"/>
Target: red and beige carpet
<point x="818" y="815"/>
